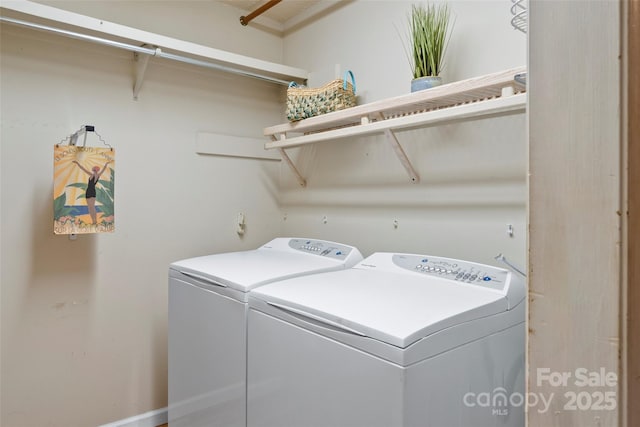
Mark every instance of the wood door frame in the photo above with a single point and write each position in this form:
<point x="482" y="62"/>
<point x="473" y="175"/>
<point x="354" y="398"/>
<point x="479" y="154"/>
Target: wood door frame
<point x="632" y="353"/>
<point x="576" y="142"/>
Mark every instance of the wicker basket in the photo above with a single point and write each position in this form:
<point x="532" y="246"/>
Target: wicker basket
<point x="303" y="102"/>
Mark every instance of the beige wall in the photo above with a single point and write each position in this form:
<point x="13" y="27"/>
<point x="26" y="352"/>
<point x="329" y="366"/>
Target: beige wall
<point x="84" y="322"/>
<point x="209" y="23"/>
<point x="473" y="175"/>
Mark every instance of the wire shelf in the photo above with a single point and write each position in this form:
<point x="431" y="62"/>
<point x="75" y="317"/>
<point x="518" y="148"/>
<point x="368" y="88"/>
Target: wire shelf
<point x="519" y="12"/>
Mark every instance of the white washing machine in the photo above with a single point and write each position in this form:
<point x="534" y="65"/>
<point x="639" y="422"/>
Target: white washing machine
<point x="399" y="340"/>
<point x="207" y="323"/>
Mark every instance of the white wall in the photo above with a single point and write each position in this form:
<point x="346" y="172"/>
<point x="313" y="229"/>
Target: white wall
<point x="473" y="175"/>
<point x="84" y="322"/>
<point x="370" y="38"/>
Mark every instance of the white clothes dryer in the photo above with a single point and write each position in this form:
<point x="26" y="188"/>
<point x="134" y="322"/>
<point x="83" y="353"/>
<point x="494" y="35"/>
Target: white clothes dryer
<point x="399" y="340"/>
<point x="207" y="323"/>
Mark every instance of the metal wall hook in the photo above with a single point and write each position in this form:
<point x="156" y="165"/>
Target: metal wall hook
<point x="512" y="267"/>
<point x="73" y="138"/>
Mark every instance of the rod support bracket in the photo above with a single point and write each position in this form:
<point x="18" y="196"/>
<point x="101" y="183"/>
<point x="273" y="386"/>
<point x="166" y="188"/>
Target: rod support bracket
<point x="141" y="61"/>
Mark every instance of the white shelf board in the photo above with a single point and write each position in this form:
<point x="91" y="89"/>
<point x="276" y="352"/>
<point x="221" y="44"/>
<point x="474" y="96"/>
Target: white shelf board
<point x="233" y="146"/>
<point x="448" y="95"/>
<point x="491" y="95"/>
<point x="221" y="57"/>
<point x="481" y="109"/>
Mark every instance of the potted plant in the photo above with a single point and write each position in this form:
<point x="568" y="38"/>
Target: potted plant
<point x="429" y="32"/>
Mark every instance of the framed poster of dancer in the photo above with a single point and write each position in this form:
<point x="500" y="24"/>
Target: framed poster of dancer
<point x="83" y="189"/>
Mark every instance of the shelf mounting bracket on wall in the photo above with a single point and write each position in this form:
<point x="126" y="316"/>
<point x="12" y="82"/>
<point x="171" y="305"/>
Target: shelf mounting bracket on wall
<point x="391" y="138"/>
<point x="402" y="156"/>
<point x="292" y="166"/>
<point x="141" y="60"/>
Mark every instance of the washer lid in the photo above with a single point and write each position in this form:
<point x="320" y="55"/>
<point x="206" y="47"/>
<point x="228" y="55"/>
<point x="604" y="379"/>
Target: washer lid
<point x="385" y="301"/>
<point x="279" y="259"/>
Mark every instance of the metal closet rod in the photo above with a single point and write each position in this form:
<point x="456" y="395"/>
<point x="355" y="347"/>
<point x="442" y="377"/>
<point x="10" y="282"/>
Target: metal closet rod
<point x="149" y="51"/>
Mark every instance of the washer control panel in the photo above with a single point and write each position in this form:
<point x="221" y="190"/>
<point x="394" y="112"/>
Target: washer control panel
<point x="321" y="248"/>
<point x="460" y="271"/>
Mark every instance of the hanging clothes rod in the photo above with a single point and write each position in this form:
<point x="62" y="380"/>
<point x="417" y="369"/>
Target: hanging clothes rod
<point x="145" y="50"/>
<point x="244" y="20"/>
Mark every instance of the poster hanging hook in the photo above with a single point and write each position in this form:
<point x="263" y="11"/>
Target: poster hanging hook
<point x="103" y="141"/>
<point x="73" y="138"/>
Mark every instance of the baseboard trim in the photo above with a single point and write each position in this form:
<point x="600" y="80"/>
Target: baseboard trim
<point x="149" y="419"/>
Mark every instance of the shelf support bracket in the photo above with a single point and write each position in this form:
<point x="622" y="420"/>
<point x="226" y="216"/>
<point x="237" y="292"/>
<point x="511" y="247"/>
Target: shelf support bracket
<point x="402" y="156"/>
<point x="406" y="163"/>
<point x="141" y="60"/>
<point x="289" y="162"/>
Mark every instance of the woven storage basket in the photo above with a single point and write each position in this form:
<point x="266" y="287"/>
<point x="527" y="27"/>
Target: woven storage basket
<point x="303" y="102"/>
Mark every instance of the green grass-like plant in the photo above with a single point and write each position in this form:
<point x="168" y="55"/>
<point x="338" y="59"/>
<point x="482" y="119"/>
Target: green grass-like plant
<point x="429" y="32"/>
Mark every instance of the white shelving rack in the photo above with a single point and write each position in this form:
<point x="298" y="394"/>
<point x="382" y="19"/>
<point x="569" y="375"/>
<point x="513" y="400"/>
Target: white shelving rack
<point x="145" y="45"/>
<point x="491" y="95"/>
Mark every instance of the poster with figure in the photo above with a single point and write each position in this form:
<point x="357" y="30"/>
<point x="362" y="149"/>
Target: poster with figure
<point x="83" y="189"/>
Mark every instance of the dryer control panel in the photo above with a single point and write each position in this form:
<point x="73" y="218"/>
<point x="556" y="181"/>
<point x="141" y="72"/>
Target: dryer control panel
<point x="321" y="248"/>
<point x="453" y="269"/>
